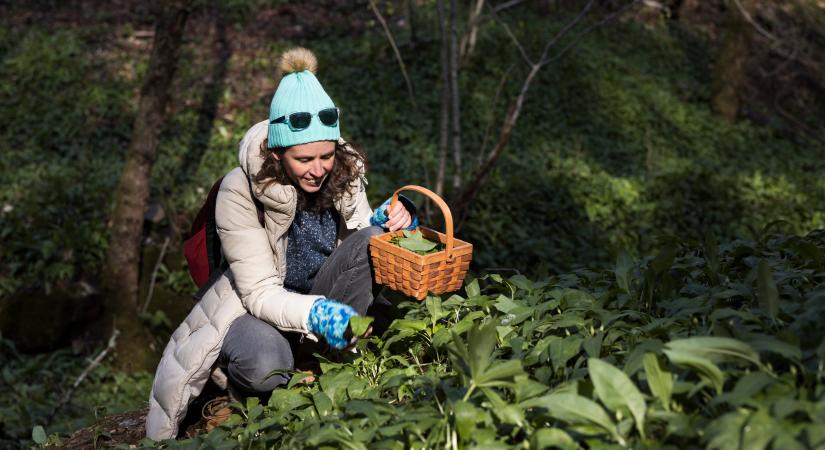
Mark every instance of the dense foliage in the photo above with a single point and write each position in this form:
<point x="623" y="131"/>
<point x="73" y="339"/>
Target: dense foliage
<point x="700" y="346"/>
<point x="616" y="153"/>
<point x="616" y="144"/>
<point x="34" y="385"/>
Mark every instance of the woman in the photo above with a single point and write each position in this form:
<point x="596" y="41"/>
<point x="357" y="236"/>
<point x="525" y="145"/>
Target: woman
<point x="302" y="275"/>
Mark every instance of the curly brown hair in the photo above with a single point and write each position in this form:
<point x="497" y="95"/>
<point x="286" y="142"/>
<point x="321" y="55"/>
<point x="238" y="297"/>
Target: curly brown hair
<point x="350" y="164"/>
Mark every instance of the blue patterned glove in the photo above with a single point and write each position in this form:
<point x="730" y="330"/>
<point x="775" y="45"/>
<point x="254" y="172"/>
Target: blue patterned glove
<point x="329" y="319"/>
<point x="380" y="216"/>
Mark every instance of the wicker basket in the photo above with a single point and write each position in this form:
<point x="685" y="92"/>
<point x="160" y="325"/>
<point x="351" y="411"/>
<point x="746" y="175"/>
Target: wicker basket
<point x="413" y="274"/>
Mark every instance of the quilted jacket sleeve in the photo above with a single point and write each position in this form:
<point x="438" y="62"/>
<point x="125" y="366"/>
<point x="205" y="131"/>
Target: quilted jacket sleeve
<point x="246" y="246"/>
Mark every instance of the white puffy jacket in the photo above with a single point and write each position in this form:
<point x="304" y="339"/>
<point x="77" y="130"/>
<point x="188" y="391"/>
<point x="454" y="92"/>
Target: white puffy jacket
<point x="253" y="283"/>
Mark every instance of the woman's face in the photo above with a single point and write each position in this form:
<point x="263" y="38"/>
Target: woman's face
<point x="308" y="165"/>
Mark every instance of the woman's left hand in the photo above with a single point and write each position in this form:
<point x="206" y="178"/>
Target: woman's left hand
<point x="398" y="216"/>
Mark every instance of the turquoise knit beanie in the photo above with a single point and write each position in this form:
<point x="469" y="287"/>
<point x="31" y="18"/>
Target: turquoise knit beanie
<point x="299" y="91"/>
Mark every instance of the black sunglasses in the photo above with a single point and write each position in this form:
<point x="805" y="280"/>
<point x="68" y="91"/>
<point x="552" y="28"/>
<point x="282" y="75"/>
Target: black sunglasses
<point x="298" y="121"/>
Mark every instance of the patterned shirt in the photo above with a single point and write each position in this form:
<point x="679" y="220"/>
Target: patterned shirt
<point x="312" y="238"/>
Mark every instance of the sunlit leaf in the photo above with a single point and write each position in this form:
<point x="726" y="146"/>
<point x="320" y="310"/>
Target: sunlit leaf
<point x="615" y="389"/>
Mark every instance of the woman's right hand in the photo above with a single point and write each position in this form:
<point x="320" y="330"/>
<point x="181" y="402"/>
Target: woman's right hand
<point x="330" y="319"/>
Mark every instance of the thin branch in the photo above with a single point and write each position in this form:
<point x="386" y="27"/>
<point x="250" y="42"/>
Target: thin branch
<point x="94" y="363"/>
<point x="507" y="5"/>
<point x="468" y="194"/>
<point x="489" y="128"/>
<point x="155" y="275"/>
<point x="564" y="30"/>
<point x="758" y="27"/>
<point x="512" y="37"/>
<point x="455" y="111"/>
<point x="395" y="50"/>
<point x="587" y="30"/>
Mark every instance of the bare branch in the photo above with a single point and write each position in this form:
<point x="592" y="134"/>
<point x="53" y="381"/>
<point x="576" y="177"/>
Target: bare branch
<point x="444" y="116"/>
<point x="512" y="37"/>
<point x="565" y="29"/>
<point x="468" y="41"/>
<point x="468" y="194"/>
<point x="749" y="19"/>
<point x="455" y="113"/>
<point x="499" y="90"/>
<point x="155" y="275"/>
<point x="94" y="363"/>
<point x="587" y="30"/>
<point x="395" y="50"/>
<point x="507" y="5"/>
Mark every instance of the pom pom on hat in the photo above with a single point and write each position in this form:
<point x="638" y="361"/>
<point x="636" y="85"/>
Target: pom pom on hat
<point x="298" y="59"/>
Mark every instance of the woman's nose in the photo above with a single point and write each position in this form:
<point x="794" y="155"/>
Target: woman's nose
<point x="317" y="169"/>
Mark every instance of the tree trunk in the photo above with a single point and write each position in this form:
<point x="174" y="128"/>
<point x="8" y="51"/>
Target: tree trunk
<point x="730" y="72"/>
<point x="411" y="13"/>
<point x="455" y="96"/>
<point x="120" y="272"/>
<point x="444" y="116"/>
<point x="468" y="41"/>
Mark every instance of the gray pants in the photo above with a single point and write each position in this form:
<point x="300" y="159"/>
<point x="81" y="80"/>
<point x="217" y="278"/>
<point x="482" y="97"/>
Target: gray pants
<point x="253" y="349"/>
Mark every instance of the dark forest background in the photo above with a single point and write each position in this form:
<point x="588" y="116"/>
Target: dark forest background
<point x="562" y="133"/>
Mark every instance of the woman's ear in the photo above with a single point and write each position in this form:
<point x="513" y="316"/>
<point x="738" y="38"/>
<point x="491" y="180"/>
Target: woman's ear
<point x="275" y="155"/>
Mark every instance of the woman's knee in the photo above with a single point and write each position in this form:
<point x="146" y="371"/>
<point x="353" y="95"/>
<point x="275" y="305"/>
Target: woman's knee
<point x="262" y="372"/>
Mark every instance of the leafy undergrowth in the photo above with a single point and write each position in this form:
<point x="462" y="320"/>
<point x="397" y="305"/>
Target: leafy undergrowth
<point x="33" y="386"/>
<point x="701" y="346"/>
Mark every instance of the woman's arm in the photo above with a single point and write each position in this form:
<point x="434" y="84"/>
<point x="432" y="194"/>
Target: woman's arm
<point x="246" y="247"/>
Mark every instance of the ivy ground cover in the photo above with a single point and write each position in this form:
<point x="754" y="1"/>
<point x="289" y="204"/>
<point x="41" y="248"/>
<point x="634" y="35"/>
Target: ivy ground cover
<point x="702" y="346"/>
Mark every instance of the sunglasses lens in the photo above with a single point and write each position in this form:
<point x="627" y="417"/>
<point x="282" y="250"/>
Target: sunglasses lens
<point x="300" y="120"/>
<point x="329" y="116"/>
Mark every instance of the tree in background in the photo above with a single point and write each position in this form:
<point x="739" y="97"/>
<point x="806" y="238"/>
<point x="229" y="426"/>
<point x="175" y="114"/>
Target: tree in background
<point x="731" y="66"/>
<point x="120" y="271"/>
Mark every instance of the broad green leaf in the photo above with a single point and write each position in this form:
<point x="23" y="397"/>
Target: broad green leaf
<point x="521" y="282"/>
<point x="764" y="343"/>
<point x="499" y="372"/>
<point x="593" y="345"/>
<point x="746" y="388"/>
<point x="576" y="410"/>
<point x="285" y="400"/>
<point x="323" y="404"/>
<point x="768" y="293"/>
<point x="433" y="304"/>
<point x="472" y="288"/>
<point x="466" y="417"/>
<point x="39" y="435"/>
<point x="481" y="342"/>
<point x="624" y="264"/>
<point x="659" y="379"/>
<point x="506" y="412"/>
<point x="716" y="349"/>
<point x="664" y="260"/>
<point x="408" y="324"/>
<point x="561" y="350"/>
<point x="615" y="389"/>
<point x="752" y="430"/>
<point x="505" y="304"/>
<point x="552" y="438"/>
<point x="704" y="367"/>
<point x="360" y="324"/>
<point x="297" y="377"/>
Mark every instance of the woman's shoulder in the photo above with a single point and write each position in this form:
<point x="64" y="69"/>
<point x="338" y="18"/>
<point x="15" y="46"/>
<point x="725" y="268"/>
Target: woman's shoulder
<point x="235" y="179"/>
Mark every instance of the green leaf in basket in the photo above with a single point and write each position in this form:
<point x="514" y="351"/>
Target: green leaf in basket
<point x="359" y="324"/>
<point x="416" y="242"/>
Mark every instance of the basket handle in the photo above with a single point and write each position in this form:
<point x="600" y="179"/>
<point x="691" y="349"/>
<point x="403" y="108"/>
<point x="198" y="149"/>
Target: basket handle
<point x="445" y="211"/>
